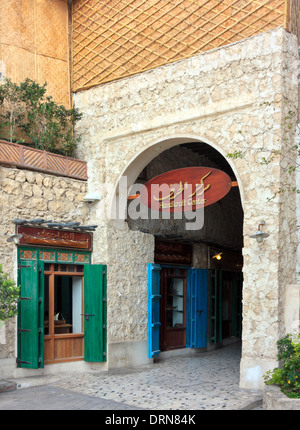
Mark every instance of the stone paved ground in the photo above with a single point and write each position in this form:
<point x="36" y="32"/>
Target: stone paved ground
<point x="205" y="381"/>
<point x="50" y="397"/>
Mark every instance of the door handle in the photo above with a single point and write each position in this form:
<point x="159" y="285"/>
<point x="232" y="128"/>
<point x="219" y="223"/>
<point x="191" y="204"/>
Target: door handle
<point x="87" y="316"/>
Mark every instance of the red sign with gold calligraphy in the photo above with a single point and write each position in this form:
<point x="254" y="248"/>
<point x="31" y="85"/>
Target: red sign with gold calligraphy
<point x="185" y="189"/>
<point x="55" y="238"/>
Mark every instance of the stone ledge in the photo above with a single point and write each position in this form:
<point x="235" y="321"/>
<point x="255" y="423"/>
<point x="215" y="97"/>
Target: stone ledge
<point x="274" y="399"/>
<point x="6" y="386"/>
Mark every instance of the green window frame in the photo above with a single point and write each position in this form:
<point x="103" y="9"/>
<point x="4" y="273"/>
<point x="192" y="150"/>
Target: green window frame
<point x="31" y="262"/>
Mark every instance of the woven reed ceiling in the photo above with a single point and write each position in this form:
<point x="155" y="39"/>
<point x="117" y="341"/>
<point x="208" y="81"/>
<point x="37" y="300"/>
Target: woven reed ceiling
<point x="34" y="44"/>
<point x="117" y="38"/>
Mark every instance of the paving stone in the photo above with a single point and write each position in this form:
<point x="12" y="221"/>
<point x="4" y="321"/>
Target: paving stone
<point x="7" y="386"/>
<point x="204" y="381"/>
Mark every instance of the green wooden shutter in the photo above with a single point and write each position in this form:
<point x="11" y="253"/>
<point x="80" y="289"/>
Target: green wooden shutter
<point x="237" y="287"/>
<point x="95" y="313"/>
<point x="31" y="315"/>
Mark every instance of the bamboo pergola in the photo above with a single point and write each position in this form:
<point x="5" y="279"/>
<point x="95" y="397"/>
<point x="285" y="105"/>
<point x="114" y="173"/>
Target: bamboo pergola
<point x="113" y="39"/>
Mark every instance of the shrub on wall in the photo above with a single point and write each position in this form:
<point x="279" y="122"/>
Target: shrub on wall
<point x="9" y="296"/>
<point x="27" y="111"/>
<point x="12" y="109"/>
<point x="287" y="376"/>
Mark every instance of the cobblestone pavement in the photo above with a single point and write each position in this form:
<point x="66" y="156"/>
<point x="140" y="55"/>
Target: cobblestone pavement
<point x="204" y="381"/>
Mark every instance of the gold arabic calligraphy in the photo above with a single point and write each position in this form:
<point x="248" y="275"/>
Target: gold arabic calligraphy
<point x="193" y="199"/>
<point x="46" y="234"/>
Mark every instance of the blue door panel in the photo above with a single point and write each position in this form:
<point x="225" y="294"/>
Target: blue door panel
<point x="197" y="293"/>
<point x="154" y="297"/>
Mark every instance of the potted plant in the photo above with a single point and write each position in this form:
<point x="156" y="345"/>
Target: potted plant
<point x="287" y="376"/>
<point x="31" y="117"/>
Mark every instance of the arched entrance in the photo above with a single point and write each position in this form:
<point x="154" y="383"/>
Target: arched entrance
<point x="141" y="159"/>
<point x="200" y="296"/>
<point x="202" y="99"/>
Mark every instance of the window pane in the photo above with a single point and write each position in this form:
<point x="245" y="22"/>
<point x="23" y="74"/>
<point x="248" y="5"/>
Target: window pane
<point x="46" y="306"/>
<point x="67" y="304"/>
<point x="62" y="305"/>
<point x="175" y="303"/>
<point x="77" y="304"/>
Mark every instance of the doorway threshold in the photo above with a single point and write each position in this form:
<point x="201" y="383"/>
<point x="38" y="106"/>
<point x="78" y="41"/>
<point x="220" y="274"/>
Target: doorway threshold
<point x="180" y="352"/>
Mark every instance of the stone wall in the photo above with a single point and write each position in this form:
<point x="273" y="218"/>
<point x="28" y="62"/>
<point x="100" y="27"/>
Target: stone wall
<point x="298" y="198"/>
<point x="275" y="400"/>
<point x="233" y="98"/>
<point x="27" y="195"/>
<point x="127" y="294"/>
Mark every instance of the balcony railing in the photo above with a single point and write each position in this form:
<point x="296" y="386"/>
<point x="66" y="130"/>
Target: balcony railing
<point x="13" y="154"/>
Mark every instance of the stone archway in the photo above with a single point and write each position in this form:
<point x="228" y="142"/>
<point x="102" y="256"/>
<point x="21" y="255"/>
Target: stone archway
<point x="230" y="98"/>
<point x="139" y="246"/>
<point x="127" y="338"/>
<point x="142" y="251"/>
<point x="147" y="154"/>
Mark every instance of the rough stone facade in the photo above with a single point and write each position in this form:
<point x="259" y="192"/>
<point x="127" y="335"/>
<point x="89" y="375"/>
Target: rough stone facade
<point x="275" y="400"/>
<point x="27" y="195"/>
<point x="232" y="98"/>
<point x="298" y="198"/>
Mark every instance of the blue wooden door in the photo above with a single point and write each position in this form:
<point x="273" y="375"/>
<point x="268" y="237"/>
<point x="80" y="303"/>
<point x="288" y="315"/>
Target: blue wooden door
<point x="154" y="297"/>
<point x="197" y="293"/>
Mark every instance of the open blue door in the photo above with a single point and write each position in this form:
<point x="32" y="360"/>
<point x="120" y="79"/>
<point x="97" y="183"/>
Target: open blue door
<point x="197" y="293"/>
<point x="154" y="297"/>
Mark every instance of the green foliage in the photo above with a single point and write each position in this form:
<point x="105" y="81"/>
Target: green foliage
<point x="287" y="376"/>
<point x="9" y="296"/>
<point x="12" y="108"/>
<point x="235" y="155"/>
<point x="46" y="125"/>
